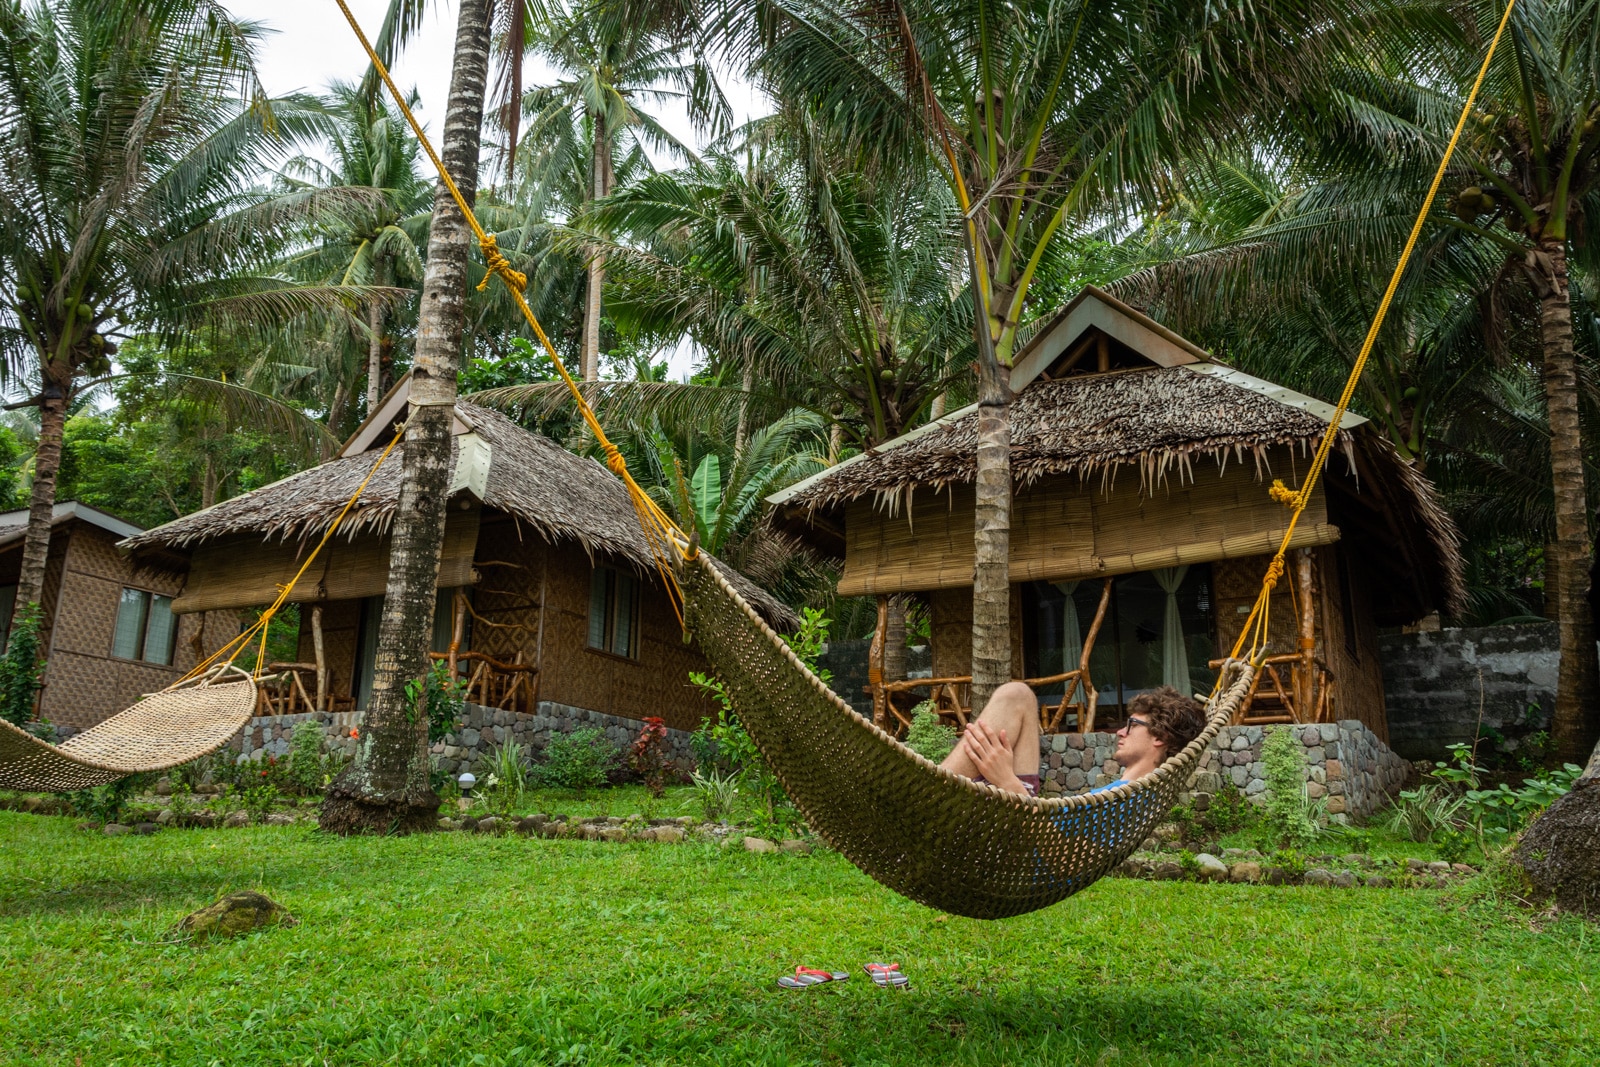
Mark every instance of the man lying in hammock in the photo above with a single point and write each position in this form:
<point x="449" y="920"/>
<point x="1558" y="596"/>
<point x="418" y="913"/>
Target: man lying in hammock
<point x="1001" y="746"/>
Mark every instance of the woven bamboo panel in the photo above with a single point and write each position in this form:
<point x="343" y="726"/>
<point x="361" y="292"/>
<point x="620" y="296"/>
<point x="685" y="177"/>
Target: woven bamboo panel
<point x="1063" y="530"/>
<point x="242" y="571"/>
<point x="930" y="835"/>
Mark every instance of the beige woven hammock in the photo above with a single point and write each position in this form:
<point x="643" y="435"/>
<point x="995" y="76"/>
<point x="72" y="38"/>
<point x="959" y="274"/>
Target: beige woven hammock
<point x="163" y="730"/>
<point x="936" y="837"/>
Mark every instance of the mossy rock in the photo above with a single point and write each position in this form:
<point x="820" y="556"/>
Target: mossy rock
<point x="235" y="914"/>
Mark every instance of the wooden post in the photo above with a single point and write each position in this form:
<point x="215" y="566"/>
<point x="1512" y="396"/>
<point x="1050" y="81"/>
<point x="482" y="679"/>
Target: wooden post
<point x="322" y="660"/>
<point x="538" y="648"/>
<point x="1102" y="353"/>
<point x="880" y="711"/>
<point x="1091" y="693"/>
<point x="458" y="626"/>
<point x="1305" y="680"/>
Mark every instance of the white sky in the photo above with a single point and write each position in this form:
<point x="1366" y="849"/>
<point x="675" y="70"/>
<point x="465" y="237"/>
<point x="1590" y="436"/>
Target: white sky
<point x="310" y="44"/>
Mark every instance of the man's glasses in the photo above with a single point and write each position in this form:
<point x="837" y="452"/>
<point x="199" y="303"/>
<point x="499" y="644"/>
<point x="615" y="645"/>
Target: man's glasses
<point x="1132" y="722"/>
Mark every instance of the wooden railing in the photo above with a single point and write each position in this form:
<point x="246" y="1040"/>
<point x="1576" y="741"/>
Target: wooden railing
<point x="1308" y="697"/>
<point x="284" y="690"/>
<point x="491" y="683"/>
<point x="952" y="696"/>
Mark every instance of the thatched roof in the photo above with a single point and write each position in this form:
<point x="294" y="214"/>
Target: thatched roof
<point x="565" y="497"/>
<point x="1158" y="422"/>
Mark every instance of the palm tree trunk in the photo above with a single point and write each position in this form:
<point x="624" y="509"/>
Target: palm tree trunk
<point x="386" y="789"/>
<point x="1576" y="722"/>
<point x="600" y="171"/>
<point x="41" y="508"/>
<point x="375" y="319"/>
<point x="991" y="573"/>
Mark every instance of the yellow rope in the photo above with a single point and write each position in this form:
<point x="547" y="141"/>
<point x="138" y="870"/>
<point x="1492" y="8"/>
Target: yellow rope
<point x="1256" y="626"/>
<point x="662" y="534"/>
<point x="259" y="628"/>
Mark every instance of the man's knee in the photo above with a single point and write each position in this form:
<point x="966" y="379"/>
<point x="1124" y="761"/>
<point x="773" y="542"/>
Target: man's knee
<point x="1013" y="699"/>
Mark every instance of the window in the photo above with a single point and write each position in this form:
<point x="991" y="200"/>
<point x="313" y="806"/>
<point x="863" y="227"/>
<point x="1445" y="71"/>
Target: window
<point x="367" y="642"/>
<point x="1157" y="631"/>
<point x="8" y="604"/>
<point x="614" y="612"/>
<point x="146" y="628"/>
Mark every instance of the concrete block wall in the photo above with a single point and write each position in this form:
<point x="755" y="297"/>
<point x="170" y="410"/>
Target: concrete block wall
<point x="1436" y="683"/>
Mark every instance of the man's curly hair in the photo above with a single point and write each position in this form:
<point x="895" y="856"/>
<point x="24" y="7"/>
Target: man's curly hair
<point x="1173" y="717"/>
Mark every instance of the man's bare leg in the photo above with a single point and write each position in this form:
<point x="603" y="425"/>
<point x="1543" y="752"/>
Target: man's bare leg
<point x="1008" y="726"/>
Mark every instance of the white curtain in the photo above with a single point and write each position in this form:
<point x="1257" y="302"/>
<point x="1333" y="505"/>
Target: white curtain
<point x="1174" y="656"/>
<point x="1071" y="636"/>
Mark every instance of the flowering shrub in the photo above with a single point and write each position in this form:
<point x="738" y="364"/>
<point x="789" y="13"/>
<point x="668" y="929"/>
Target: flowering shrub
<point x="649" y="755"/>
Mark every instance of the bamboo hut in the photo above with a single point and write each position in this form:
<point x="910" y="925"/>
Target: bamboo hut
<point x="547" y="588"/>
<point x="1141" y="526"/>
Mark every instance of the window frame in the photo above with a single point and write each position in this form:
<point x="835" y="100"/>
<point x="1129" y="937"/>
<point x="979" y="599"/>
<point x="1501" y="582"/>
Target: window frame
<point x="616" y="579"/>
<point x="141" y="649"/>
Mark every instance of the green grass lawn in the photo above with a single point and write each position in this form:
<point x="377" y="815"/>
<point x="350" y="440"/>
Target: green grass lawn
<point x="459" y="949"/>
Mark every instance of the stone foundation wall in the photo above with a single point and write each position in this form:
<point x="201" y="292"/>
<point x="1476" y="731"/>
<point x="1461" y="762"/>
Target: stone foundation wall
<point x="1436" y="683"/>
<point x="1345" y="763"/>
<point x="482" y="730"/>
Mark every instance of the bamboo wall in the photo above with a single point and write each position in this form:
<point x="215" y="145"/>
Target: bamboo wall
<point x="1062" y="529"/>
<point x="517" y="572"/>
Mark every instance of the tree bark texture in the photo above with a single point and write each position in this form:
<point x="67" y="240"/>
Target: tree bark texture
<point x="1575" y="726"/>
<point x="991" y="574"/>
<point x="41" y="507"/>
<point x="386" y="789"/>
<point x="1560" y="850"/>
<point x="375" y="319"/>
<point x="601" y="188"/>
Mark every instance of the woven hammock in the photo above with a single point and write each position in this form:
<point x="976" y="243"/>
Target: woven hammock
<point x="939" y="838"/>
<point x="161" y="731"/>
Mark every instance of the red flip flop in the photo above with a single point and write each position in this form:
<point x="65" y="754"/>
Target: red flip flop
<point x="806" y="977"/>
<point x="887" y="975"/>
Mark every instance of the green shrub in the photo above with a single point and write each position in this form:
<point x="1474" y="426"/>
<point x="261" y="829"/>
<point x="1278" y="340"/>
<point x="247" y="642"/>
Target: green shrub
<point x="21" y="667"/>
<point x="507" y="779"/>
<point x="929" y="736"/>
<point x="258" y="800"/>
<point x="1291" y="862"/>
<point x="444" y="700"/>
<point x="305" y="758"/>
<point x="716" y="794"/>
<point x="1422" y="813"/>
<point x="104" y="803"/>
<point x="1288" y="815"/>
<point x="580" y="760"/>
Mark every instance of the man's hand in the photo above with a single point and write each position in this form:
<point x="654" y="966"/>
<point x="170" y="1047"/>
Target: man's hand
<point x="991" y="751"/>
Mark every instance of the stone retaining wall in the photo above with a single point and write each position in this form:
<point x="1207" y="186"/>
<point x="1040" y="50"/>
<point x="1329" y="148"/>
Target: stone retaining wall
<point x="482" y="729"/>
<point x="1436" y="683"/>
<point x="1345" y="763"/>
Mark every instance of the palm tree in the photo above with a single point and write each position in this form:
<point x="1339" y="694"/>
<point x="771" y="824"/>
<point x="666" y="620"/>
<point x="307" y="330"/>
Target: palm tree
<point x="131" y="132"/>
<point x="608" y="64"/>
<point x="386" y="788"/>
<point x="1043" y="117"/>
<point x="372" y="148"/>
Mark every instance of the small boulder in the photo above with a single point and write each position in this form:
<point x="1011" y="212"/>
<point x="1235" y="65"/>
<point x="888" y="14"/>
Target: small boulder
<point x="1131" y="868"/>
<point x="1357" y="859"/>
<point x="165" y="818"/>
<point x="552" y="829"/>
<point x="1275" y="876"/>
<point x="1246" y="871"/>
<point x="529" y="824"/>
<point x="488" y="825"/>
<point x="1378" y="881"/>
<point x="280" y="818"/>
<point x="116" y="829"/>
<point x="1169" y="871"/>
<point x="447" y="823"/>
<point x="669" y="834"/>
<point x="759" y="844"/>
<point x="234" y="914"/>
<point x="613" y="833"/>
<point x="164" y="787"/>
<point x="1344" y="880"/>
<point x="1462" y="868"/>
<point x="1416" y="866"/>
<point x="1211" y="868"/>
<point x="145" y="828"/>
<point x="236" y="819"/>
<point x="1439" y="867"/>
<point x="795" y="846"/>
<point x="1319" y="876"/>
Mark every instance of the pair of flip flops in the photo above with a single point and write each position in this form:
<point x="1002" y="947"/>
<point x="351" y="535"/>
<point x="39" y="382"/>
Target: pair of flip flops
<point x="883" y="975"/>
